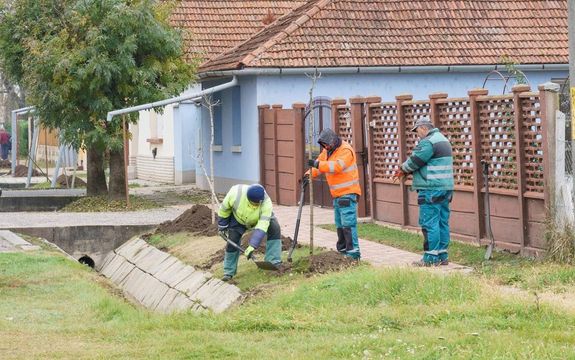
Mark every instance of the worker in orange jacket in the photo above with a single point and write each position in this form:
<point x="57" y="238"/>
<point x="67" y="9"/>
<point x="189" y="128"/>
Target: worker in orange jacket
<point x="338" y="162"/>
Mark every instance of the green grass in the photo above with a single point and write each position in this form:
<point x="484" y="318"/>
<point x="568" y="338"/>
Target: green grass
<point x="504" y="268"/>
<point x="102" y="204"/>
<point x="52" y="308"/>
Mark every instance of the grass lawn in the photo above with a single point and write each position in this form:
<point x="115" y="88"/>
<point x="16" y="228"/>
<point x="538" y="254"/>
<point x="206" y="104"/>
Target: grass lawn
<point x="504" y="268"/>
<point x="53" y="308"/>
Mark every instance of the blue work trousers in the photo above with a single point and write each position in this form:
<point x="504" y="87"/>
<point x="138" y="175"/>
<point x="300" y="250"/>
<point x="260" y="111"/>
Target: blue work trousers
<point x="434" y="221"/>
<point x="345" y="212"/>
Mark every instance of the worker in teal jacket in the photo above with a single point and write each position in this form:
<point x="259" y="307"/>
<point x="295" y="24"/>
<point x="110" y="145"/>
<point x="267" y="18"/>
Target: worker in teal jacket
<point x="431" y="164"/>
<point x="248" y="207"/>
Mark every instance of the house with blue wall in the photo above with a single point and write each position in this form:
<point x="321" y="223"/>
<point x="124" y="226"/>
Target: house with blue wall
<point x="382" y="48"/>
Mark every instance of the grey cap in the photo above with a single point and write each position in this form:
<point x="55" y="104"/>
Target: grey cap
<point x="422" y="121"/>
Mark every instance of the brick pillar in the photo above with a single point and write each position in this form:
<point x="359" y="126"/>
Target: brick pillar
<point x="371" y="102"/>
<point x="434" y="113"/>
<point x="401" y="132"/>
<point x="358" y="144"/>
<point x="479" y="208"/>
<point x="520" y="161"/>
<point x="261" y="110"/>
<point x="335" y="113"/>
<point x="299" y="143"/>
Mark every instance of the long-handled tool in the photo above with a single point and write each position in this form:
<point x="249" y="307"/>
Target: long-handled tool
<point x="294" y="240"/>
<point x="491" y="245"/>
<point x="264" y="265"/>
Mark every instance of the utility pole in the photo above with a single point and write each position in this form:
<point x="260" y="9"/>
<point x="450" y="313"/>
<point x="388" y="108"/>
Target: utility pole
<point x="571" y="29"/>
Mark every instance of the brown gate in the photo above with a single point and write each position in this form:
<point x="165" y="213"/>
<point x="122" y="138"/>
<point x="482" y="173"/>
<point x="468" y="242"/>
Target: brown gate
<point x="322" y="120"/>
<point x="281" y="151"/>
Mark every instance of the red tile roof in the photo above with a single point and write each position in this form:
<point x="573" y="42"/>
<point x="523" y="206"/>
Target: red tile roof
<point x="217" y="25"/>
<point x="406" y="32"/>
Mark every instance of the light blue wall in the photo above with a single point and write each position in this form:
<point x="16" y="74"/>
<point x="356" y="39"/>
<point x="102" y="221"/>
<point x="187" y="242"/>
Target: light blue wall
<point x="231" y="167"/>
<point x="285" y="90"/>
<point x="187" y="117"/>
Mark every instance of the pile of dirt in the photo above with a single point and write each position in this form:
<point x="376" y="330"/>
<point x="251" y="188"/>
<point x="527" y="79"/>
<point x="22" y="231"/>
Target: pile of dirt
<point x="330" y="261"/>
<point x="66" y="182"/>
<point x="196" y="220"/>
<point x="22" y="171"/>
<point x="5" y="164"/>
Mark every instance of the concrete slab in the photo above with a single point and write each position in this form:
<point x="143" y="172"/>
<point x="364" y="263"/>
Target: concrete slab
<point x="12" y="242"/>
<point x="131" y="247"/>
<point x="181" y="303"/>
<point x="123" y="270"/>
<point x="164" y="304"/>
<point x="192" y="283"/>
<point x="163" y="266"/>
<point x="151" y="260"/>
<point x="112" y="265"/>
<point x="170" y="273"/>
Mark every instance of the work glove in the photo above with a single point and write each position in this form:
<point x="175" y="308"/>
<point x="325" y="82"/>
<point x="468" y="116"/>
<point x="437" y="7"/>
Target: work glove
<point x="249" y="252"/>
<point x="313" y="163"/>
<point x="398" y="175"/>
<point x="305" y="180"/>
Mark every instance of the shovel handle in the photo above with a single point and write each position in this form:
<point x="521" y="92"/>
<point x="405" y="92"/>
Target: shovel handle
<point x="239" y="248"/>
<point x="296" y="232"/>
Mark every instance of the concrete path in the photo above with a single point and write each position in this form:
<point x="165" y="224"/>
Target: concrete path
<point x="11" y="242"/>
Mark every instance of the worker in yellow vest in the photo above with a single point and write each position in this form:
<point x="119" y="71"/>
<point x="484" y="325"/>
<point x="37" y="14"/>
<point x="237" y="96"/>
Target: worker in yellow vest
<point x="248" y="207"/>
<point x="338" y="162"/>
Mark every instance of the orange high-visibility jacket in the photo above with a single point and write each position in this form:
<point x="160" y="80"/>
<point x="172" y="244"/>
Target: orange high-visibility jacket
<point x="340" y="171"/>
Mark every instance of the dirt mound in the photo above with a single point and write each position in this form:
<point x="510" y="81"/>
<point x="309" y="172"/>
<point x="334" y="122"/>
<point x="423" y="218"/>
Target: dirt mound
<point x="22" y="171"/>
<point x="5" y="164"/>
<point x="196" y="220"/>
<point x="66" y="182"/>
<point x="330" y="261"/>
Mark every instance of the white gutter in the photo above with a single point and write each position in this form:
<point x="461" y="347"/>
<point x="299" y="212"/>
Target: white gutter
<point x="15" y="113"/>
<point x="174" y="100"/>
<point x="382" y="70"/>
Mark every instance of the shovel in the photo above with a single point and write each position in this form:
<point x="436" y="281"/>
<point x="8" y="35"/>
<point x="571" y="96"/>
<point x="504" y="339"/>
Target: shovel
<point x="491" y="245"/>
<point x="264" y="265"/>
<point x="294" y="241"/>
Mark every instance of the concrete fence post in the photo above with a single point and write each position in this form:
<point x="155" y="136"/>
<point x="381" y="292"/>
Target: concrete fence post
<point x="549" y="103"/>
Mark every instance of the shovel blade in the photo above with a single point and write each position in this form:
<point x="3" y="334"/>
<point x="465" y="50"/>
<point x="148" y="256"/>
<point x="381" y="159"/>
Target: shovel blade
<point x="265" y="265"/>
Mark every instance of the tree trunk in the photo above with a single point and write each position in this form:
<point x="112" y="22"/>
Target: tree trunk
<point x="117" y="175"/>
<point x="96" y="176"/>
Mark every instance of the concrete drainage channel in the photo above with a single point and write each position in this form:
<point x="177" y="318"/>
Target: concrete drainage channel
<point x="150" y="277"/>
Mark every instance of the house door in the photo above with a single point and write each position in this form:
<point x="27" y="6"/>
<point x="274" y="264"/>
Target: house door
<point x="322" y="120"/>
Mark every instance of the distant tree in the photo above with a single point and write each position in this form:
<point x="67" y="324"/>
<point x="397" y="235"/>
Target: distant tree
<point x="80" y="59"/>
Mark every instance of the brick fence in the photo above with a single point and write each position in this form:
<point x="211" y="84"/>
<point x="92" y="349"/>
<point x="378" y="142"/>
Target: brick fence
<point x="510" y="132"/>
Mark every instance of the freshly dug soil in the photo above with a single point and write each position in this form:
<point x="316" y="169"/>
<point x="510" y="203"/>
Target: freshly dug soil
<point x="5" y="163"/>
<point x="197" y="220"/>
<point x="22" y="171"/>
<point x="330" y="261"/>
<point x="61" y="180"/>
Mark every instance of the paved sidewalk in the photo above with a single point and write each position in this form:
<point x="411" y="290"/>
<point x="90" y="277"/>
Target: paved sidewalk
<point x="373" y="252"/>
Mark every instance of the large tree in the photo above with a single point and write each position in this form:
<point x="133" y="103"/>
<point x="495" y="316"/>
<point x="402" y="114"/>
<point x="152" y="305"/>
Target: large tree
<point x="80" y="59"/>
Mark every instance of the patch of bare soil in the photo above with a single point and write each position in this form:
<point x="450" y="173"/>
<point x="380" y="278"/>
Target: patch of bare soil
<point x="196" y="220"/>
<point x="66" y="181"/>
<point x="22" y="171"/>
<point x="5" y="164"/>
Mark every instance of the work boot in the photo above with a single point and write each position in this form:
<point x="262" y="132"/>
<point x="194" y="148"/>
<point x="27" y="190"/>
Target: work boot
<point x="444" y="262"/>
<point x="226" y="278"/>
